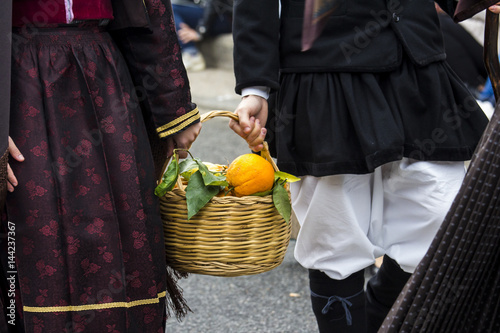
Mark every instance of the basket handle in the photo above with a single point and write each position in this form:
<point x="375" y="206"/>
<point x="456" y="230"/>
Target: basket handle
<point x="222" y="113"/>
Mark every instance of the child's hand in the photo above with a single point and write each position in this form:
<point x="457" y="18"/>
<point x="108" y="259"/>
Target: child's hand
<point x="252" y="112"/>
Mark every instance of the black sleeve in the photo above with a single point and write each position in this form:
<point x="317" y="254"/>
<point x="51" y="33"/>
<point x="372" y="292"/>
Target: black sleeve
<point x="155" y="63"/>
<point x="448" y="6"/>
<point x="256" y="43"/>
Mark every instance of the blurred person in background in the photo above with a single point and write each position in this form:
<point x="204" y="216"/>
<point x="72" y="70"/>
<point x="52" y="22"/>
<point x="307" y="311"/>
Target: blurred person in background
<point x="196" y="20"/>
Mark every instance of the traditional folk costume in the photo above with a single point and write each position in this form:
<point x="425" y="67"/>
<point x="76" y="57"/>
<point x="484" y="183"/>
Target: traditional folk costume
<point x="90" y="250"/>
<point x="456" y="286"/>
<point x="376" y="124"/>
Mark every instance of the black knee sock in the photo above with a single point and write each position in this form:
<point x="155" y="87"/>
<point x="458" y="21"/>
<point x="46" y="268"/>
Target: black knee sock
<point x="339" y="305"/>
<point x="382" y="291"/>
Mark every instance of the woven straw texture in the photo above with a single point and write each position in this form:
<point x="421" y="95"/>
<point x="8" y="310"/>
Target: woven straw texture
<point x="230" y="236"/>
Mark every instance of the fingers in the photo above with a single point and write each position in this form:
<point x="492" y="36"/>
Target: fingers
<point x="16" y="154"/>
<point x="248" y="107"/>
<point x="256" y="133"/>
<point x="185" y="139"/>
<point x="170" y="147"/>
<point x="256" y="137"/>
<point x="183" y="37"/>
<point x="495" y="9"/>
<point x="11" y="179"/>
<point x="14" y="151"/>
<point x="245" y="124"/>
<point x="187" y="34"/>
<point x="252" y="114"/>
<point x="182" y="154"/>
<point x="258" y="144"/>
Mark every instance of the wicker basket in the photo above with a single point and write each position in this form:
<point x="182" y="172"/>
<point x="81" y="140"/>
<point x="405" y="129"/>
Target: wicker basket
<point x="230" y="236"/>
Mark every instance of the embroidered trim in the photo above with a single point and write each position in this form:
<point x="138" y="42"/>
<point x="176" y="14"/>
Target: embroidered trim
<point x="185" y="122"/>
<point x="178" y="120"/>
<point x="71" y="308"/>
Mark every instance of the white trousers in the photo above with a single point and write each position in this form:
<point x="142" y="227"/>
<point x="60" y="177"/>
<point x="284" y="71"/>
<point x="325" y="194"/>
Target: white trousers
<point x="346" y="221"/>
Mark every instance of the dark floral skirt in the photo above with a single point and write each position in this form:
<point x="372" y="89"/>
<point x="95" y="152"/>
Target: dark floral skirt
<point x="89" y="241"/>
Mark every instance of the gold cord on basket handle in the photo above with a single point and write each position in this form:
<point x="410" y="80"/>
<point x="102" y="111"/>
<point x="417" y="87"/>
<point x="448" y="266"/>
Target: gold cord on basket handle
<point x="221" y="113"/>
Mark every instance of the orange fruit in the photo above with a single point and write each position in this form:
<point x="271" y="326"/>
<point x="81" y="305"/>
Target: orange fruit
<point x="249" y="174"/>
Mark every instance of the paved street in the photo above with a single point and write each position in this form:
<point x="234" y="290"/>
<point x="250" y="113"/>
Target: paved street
<point x="275" y="301"/>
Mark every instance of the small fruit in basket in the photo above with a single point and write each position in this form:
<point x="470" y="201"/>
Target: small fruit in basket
<point x="249" y="174"/>
<point x="215" y="167"/>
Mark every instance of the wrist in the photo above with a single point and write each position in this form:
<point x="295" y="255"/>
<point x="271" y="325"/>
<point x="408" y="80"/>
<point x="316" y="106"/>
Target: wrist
<point x="260" y="91"/>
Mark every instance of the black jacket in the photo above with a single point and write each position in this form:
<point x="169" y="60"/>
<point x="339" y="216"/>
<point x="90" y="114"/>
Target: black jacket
<point x="361" y="36"/>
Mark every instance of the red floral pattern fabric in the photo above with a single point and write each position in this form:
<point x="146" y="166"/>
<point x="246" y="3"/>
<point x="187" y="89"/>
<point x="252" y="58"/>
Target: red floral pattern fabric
<point x="87" y="223"/>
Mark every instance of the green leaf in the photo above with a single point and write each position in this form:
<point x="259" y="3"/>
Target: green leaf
<point x="209" y="179"/>
<point x="187" y="168"/>
<point x="263" y="194"/>
<point x="161" y="190"/>
<point x="282" y="202"/>
<point x="169" y="178"/>
<point x="187" y="165"/>
<point x="285" y="176"/>
<point x="197" y="194"/>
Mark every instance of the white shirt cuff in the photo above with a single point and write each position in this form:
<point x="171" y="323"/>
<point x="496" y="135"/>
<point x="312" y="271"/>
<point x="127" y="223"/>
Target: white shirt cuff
<point x="261" y="91"/>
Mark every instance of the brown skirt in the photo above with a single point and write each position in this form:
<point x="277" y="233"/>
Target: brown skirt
<point x="456" y="287"/>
